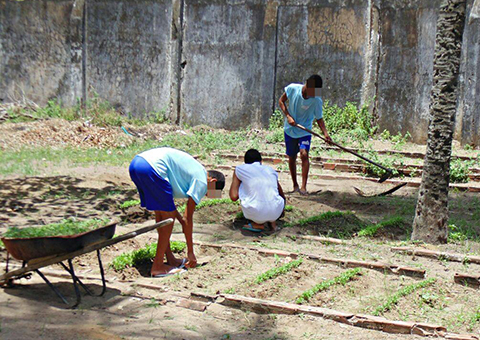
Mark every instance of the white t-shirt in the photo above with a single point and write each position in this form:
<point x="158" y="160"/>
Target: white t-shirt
<point x="258" y="192"/>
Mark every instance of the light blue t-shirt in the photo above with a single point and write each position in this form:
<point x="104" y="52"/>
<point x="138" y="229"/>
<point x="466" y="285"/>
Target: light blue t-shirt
<point x="302" y="110"/>
<point x="186" y="175"/>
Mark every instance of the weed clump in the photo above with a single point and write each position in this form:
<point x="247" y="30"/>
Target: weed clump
<point x="460" y="171"/>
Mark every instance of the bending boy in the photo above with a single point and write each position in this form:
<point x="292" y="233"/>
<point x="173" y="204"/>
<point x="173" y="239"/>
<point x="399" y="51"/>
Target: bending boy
<point x="261" y="195"/>
<point x="161" y="175"/>
<point x="304" y="105"/>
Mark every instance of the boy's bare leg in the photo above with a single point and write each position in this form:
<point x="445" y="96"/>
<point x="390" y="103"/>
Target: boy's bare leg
<point x="292" y="165"/>
<point x="158" y="267"/>
<point x="171" y="259"/>
<point x="273" y="224"/>
<point x="305" y="169"/>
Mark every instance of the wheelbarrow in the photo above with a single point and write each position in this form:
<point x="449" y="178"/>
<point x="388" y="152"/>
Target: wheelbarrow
<point x="38" y="252"/>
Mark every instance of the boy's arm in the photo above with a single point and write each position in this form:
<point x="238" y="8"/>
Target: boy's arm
<point x="188" y="231"/>
<point x="234" y="187"/>
<point x="283" y="107"/>
<point x="321" y="125"/>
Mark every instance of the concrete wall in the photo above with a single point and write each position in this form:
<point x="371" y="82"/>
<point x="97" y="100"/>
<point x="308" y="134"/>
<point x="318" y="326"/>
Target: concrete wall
<point x="225" y="62"/>
<point x="128" y="53"/>
<point x="229" y="51"/>
<point x="405" y="64"/>
<point x="36" y="42"/>
<point x="468" y="110"/>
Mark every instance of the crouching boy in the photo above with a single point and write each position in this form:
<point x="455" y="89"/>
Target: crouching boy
<point x="261" y="195"/>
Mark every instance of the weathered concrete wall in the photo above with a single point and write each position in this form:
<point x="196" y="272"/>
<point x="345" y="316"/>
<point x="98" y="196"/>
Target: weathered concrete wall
<point x="225" y="62"/>
<point x="328" y="38"/>
<point x="229" y="51"/>
<point x="468" y="111"/>
<point x="405" y="66"/>
<point x="37" y="51"/>
<point x="128" y="53"/>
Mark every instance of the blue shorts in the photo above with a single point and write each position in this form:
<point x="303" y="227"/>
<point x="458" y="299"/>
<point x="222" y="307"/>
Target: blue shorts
<point x="155" y="192"/>
<point x="294" y="145"/>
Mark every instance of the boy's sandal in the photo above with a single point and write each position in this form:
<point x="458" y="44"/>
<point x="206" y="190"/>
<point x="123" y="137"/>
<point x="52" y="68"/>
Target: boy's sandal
<point x="249" y="227"/>
<point x="171" y="272"/>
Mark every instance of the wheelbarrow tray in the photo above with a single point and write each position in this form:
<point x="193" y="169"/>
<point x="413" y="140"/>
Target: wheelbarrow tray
<point x="26" y="249"/>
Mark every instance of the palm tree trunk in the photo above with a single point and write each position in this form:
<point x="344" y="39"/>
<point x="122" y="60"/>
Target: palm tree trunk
<point x="431" y="215"/>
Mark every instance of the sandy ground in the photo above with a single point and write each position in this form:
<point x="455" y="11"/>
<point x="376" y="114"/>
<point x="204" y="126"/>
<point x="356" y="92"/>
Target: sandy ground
<point x="31" y="310"/>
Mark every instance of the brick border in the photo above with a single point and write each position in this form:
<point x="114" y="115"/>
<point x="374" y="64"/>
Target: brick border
<point x="379" y="266"/>
<point x="357" y="320"/>
<point x="437" y="254"/>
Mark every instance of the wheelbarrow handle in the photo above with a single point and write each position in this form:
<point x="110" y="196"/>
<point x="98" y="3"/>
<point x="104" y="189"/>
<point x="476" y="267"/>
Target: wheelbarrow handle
<point x="344" y="148"/>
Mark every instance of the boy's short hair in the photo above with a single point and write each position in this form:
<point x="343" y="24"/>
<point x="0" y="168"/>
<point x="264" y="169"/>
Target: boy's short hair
<point x="220" y="183"/>
<point x="252" y="156"/>
<point x="315" y="81"/>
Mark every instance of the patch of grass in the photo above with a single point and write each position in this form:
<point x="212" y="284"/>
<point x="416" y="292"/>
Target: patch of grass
<point x="146" y="253"/>
<point x="332" y="224"/>
<point x="274" y="272"/>
<point x="65" y="227"/>
<point x="398" y="140"/>
<point x="209" y="203"/>
<point x="341" y="279"/>
<point x="371" y="230"/>
<point x="128" y="204"/>
<point x="394" y="298"/>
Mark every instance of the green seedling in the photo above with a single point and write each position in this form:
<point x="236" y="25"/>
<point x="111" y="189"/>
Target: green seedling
<point x="393" y="299"/>
<point x="341" y="279"/>
<point x="274" y="272"/>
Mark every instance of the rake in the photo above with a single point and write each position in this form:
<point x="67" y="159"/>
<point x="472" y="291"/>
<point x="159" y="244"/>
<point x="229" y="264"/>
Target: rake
<point x="388" y="172"/>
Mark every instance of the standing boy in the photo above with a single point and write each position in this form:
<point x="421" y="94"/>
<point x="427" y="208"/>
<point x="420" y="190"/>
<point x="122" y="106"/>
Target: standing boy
<point x="161" y="175"/>
<point x="304" y="105"/>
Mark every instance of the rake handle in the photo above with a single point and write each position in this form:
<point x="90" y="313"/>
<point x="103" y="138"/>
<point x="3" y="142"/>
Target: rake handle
<point x="344" y="148"/>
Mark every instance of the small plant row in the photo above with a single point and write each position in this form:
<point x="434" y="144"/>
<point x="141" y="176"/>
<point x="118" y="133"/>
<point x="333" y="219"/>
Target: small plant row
<point x="394" y="298"/>
<point x="277" y="271"/>
<point x="341" y="279"/>
<point x="371" y="230"/>
<point x="146" y="253"/>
